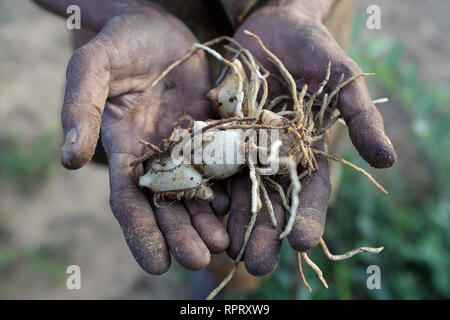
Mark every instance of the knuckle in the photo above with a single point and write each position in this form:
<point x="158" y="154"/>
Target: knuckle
<point x="91" y="57"/>
<point x="78" y="59"/>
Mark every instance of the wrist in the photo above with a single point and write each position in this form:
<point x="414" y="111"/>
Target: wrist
<point x="96" y="14"/>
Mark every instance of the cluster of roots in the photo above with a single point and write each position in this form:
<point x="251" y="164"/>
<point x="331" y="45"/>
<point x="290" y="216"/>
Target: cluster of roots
<point x="241" y="98"/>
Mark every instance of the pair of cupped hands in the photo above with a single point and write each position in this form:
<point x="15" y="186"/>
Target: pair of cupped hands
<point x="108" y="92"/>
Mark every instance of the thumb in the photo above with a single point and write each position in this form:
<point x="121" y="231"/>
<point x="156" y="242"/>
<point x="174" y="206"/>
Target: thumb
<point x="87" y="87"/>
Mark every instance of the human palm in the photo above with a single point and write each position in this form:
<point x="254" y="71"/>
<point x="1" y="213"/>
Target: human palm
<point x="305" y="47"/>
<point x="109" y="90"/>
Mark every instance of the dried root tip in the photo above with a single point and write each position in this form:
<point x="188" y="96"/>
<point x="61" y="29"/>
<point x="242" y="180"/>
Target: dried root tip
<point x="223" y="283"/>
<point x="349" y="254"/>
<point x="150" y="145"/>
<point x="315" y="268"/>
<point x="146" y="156"/>
<point x="381" y="100"/>
<point x="353" y="166"/>
<point x="300" y="271"/>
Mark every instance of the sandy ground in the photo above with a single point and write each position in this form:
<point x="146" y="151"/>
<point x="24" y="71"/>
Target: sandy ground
<point x="61" y="211"/>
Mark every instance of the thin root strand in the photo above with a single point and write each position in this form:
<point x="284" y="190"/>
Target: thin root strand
<point x="347" y="255"/>
<point x="315" y="268"/>
<point x="300" y="271"/>
<point x="353" y="166"/>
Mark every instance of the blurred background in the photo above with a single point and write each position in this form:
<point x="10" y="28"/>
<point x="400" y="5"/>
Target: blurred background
<point x="51" y="218"/>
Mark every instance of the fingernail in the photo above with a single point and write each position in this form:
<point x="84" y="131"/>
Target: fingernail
<point x="71" y="138"/>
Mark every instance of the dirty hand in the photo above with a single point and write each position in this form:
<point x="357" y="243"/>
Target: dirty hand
<point x="108" y="90"/>
<point x="293" y="31"/>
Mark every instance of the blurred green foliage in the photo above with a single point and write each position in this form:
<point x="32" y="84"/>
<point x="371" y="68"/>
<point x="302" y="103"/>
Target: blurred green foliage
<point x="413" y="226"/>
<point x="4" y="14"/>
<point x="27" y="162"/>
<point x="42" y="261"/>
